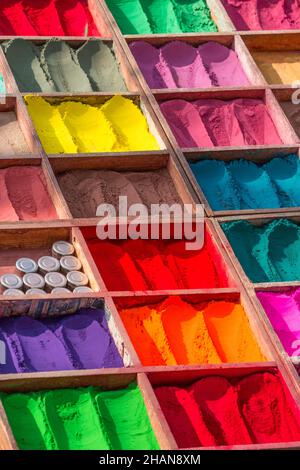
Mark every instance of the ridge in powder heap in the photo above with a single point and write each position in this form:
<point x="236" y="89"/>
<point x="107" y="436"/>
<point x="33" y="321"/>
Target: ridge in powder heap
<point x="176" y="332"/>
<point x="75" y="127"/>
<point x="215" y="411"/>
<point x="80" y="419"/>
<point x="46" y="18"/>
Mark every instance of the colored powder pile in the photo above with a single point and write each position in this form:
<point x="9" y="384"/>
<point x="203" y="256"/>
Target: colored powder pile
<point x="278" y="67"/>
<point x="46" y="18"/>
<point x="213" y="123"/>
<point x="157" y="17"/>
<point x="241" y="184"/>
<point x="263" y="14"/>
<point x="75" y="127"/>
<point x="176" y="332"/>
<point x="180" y="65"/>
<point x="270" y="253"/>
<point x="12" y="141"/>
<point x="79" y="341"/>
<point x="293" y="113"/>
<point x="80" y="419"/>
<point x="24" y="195"/>
<point x="85" y="190"/>
<point x="58" y="67"/>
<point x="283" y="310"/>
<point x="157" y="264"/>
<point x="215" y="411"/>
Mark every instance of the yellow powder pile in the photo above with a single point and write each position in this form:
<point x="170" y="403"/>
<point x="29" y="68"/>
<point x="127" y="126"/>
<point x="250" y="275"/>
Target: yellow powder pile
<point x="74" y="127"/>
<point x="279" y="67"/>
<point x="177" y="332"/>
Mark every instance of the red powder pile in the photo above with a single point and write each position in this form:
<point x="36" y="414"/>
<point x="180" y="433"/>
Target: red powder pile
<point x="157" y="264"/>
<point x="46" y="18"/>
<point x="215" y="411"/>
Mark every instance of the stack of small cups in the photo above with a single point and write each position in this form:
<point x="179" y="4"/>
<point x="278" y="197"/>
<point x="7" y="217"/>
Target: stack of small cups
<point x="57" y="274"/>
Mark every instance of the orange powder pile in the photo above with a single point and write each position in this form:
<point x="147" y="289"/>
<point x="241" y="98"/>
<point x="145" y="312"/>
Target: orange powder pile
<point x="176" y="332"/>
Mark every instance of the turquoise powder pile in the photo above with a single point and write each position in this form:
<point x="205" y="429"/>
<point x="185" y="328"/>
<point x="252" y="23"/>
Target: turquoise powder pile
<point x="269" y="253"/>
<point x="240" y="184"/>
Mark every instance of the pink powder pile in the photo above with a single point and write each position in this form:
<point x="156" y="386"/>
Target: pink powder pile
<point x="213" y="123"/>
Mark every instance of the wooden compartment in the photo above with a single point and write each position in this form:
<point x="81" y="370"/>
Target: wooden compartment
<point x="292" y="362"/>
<point x="217" y="11"/>
<point x="232" y="373"/>
<point x="281" y="43"/>
<point x="124" y="67"/>
<point x="107" y="380"/>
<point x="257" y="220"/>
<point x="51" y="187"/>
<point x="55" y="308"/>
<point x="35" y="240"/>
<point x="288" y="99"/>
<point x="99" y="19"/>
<point x="99" y="99"/>
<point x="227" y="280"/>
<point x="197" y="299"/>
<point x="14" y="104"/>
<point x="125" y="163"/>
<point x="225" y="39"/>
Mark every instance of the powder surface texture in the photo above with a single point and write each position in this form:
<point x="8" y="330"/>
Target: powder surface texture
<point x="293" y="113"/>
<point x="270" y="253"/>
<point x="215" y="123"/>
<point x="263" y="14"/>
<point x="72" y="126"/>
<point x="79" y="341"/>
<point x="177" y="332"/>
<point x="241" y="184"/>
<point x="157" y="264"/>
<point x="12" y="141"/>
<point x="58" y="67"/>
<point x="80" y="419"/>
<point x="24" y="195"/>
<point x="279" y="67"/>
<point x="46" y="18"/>
<point x="283" y="310"/>
<point x="214" y="411"/>
<point x="180" y="65"/>
<point x="167" y="17"/>
<point x="84" y="190"/>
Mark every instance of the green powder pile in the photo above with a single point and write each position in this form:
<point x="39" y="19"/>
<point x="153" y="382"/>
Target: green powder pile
<point x="270" y="253"/>
<point x="80" y="419"/>
<point x="162" y="16"/>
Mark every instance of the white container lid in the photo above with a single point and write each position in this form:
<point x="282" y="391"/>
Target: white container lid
<point x="11" y="281"/>
<point x="55" y="280"/>
<point x="33" y="281"/>
<point x="70" y="263"/>
<point x="77" y="278"/>
<point x="63" y="248"/>
<point x="48" y="264"/>
<point x="13" y="292"/>
<point x="82" y="290"/>
<point x="26" y="265"/>
<point x="36" y="292"/>
<point x="61" y="290"/>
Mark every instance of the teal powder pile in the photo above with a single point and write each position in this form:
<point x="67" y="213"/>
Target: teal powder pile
<point x="57" y="67"/>
<point x="80" y="419"/>
<point x="269" y="253"/>
<point x="161" y="16"/>
<point x="240" y="184"/>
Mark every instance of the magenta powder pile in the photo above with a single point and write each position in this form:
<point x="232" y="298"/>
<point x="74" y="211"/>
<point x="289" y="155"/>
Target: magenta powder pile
<point x="213" y="123"/>
<point x="283" y="310"/>
<point x="180" y="65"/>
<point x="263" y="14"/>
